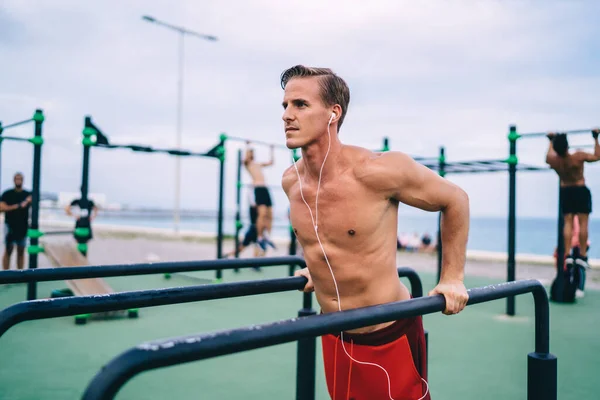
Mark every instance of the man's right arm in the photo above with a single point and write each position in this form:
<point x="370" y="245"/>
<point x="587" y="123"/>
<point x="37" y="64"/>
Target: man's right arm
<point x="596" y="155"/>
<point x="6" y="208"/>
<point x="550" y="154"/>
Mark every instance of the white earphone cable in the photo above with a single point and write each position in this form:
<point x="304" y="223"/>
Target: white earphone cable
<point x="315" y="220"/>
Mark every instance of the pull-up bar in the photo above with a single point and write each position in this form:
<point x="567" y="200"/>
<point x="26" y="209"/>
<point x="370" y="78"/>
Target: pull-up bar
<point x="570" y="132"/>
<point x="252" y="141"/>
<point x="513" y="136"/>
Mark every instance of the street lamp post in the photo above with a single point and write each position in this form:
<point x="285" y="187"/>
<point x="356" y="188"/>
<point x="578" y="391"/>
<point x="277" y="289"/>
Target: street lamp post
<point x="182" y="32"/>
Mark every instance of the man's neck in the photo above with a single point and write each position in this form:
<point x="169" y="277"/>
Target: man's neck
<point x="314" y="155"/>
<point x="18" y="189"/>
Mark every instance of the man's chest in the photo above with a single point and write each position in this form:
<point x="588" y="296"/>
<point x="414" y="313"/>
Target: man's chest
<point x="344" y="212"/>
<point x="14" y="197"/>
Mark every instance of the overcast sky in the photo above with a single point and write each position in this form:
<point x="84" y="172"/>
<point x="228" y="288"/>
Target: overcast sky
<point x="425" y="74"/>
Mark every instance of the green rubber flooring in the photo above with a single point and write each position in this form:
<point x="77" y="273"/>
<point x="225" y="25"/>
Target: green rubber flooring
<point x="474" y="355"/>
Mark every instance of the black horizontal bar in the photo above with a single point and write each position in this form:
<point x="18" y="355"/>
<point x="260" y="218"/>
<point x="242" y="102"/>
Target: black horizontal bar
<point x="14" y="138"/>
<point x="259" y="142"/>
<point x="168" y="352"/>
<point x="62" y="307"/>
<point x="16" y="124"/>
<point x="50" y="233"/>
<point x="571" y="132"/>
<point x="148" y="149"/>
<point x="103" y="271"/>
<point x="268" y="186"/>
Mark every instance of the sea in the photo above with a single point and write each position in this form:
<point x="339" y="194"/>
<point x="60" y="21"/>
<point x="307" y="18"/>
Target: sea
<point x="533" y="235"/>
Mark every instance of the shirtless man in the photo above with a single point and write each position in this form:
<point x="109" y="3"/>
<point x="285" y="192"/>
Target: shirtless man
<point x="264" y="222"/>
<point x="576" y="198"/>
<point x="351" y="255"/>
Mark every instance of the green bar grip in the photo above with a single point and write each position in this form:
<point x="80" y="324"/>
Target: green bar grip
<point x="442" y="159"/>
<point x="88" y="131"/>
<point x="223" y="137"/>
<point x="82" y="247"/>
<point x="88" y="141"/>
<point x="37" y="140"/>
<point x="82" y="232"/>
<point x="38" y="116"/>
<point x="220" y="152"/>
<point x="35" y="249"/>
<point x="34" y="233"/>
<point x="239" y="225"/>
<point x="442" y="173"/>
<point x="512" y="160"/>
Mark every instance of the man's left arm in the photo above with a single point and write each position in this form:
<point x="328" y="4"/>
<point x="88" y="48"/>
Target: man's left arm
<point x="416" y="185"/>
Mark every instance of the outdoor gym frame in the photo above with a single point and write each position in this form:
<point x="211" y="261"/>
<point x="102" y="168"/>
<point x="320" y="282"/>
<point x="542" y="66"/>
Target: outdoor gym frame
<point x="542" y="365"/>
<point x="93" y="137"/>
<point x="513" y="136"/>
<point x="37" y="140"/>
<point x="510" y="165"/>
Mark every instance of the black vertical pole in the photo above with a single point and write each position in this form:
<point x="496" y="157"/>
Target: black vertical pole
<point x="306" y="357"/>
<point x="221" y="199"/>
<point x="442" y="173"/>
<point x="38" y="119"/>
<point x="89" y="131"/>
<point x="512" y="214"/>
<point x="238" y="200"/>
<point x="292" y="249"/>
<point x="386" y="144"/>
<point x="558" y="294"/>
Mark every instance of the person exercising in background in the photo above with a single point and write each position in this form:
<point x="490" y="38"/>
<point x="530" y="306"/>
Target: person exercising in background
<point x="576" y="198"/>
<point x="262" y="196"/>
<point x="83" y="217"/>
<point x="15" y="203"/>
<point x="251" y="235"/>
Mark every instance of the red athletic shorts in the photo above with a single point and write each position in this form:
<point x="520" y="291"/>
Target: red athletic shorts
<point x="399" y="348"/>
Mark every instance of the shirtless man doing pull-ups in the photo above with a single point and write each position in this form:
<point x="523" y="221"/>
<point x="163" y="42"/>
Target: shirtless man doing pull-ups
<point x="344" y="209"/>
<point x="262" y="197"/>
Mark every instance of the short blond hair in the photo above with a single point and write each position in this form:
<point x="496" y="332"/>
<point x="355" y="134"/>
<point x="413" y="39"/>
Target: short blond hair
<point x="334" y="89"/>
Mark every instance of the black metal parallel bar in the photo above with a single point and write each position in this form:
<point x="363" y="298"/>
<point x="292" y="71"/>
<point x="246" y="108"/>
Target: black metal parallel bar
<point x="62" y="307"/>
<point x="103" y="271"/>
<point x="35" y="199"/>
<point x="168" y="352"/>
<point x="15" y="124"/>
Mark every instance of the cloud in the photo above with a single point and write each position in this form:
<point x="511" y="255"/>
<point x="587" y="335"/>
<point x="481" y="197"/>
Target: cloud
<point x="424" y="74"/>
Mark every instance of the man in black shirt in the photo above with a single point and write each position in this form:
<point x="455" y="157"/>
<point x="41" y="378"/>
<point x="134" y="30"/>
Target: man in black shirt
<point x="15" y="204"/>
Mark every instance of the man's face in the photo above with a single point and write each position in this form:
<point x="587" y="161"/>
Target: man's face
<point x="305" y="115"/>
<point x="18" y="181"/>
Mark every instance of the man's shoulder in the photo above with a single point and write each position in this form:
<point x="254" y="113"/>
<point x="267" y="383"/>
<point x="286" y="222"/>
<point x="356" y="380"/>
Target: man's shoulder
<point x="372" y="164"/>
<point x="289" y="177"/>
